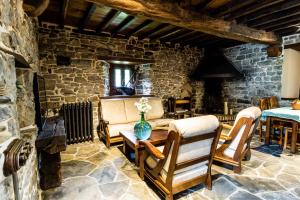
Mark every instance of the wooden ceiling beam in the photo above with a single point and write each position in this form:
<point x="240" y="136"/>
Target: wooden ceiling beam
<point x="165" y="33"/>
<point x="295" y="24"/>
<point x="153" y="31"/>
<point x="275" y="17"/>
<point x="111" y="15"/>
<point x="196" y="39"/>
<point x="63" y="12"/>
<point x="174" y="35"/>
<point x="214" y="4"/>
<point x="139" y="27"/>
<point x="172" y="13"/>
<point x="253" y="8"/>
<point x="87" y="15"/>
<point x="183" y="36"/>
<point x="288" y="31"/>
<point x="282" y="22"/>
<point x="123" y="25"/>
<point x="233" y="6"/>
<point x="285" y="6"/>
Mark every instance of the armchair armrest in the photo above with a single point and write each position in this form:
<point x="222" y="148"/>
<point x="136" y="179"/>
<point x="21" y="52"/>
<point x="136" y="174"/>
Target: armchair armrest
<point x="153" y="150"/>
<point x="227" y="126"/>
<point x="104" y="121"/>
<point x="225" y="137"/>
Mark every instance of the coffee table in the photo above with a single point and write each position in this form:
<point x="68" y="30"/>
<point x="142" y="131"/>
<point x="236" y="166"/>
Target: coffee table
<point x="158" y="137"/>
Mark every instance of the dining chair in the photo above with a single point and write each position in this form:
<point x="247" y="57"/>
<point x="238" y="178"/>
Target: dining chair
<point x="265" y="104"/>
<point x="186" y="158"/>
<point x="287" y="135"/>
<point x="234" y="146"/>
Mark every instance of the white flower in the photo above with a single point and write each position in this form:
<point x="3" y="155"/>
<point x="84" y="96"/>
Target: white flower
<point x="143" y="105"/>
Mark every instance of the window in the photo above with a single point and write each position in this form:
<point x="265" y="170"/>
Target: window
<point x="120" y="76"/>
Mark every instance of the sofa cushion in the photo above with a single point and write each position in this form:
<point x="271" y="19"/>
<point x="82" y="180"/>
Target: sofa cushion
<point x="114" y="129"/>
<point x="132" y="113"/>
<point x="113" y="111"/>
<point x="157" y="109"/>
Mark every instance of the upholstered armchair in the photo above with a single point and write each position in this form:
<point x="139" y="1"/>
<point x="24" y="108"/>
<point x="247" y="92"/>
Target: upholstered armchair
<point x="186" y="158"/>
<point x="234" y="146"/>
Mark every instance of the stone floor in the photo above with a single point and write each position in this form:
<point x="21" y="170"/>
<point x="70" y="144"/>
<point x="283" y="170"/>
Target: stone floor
<point x="91" y="171"/>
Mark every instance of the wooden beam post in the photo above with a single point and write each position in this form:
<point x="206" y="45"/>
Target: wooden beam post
<point x="87" y="15"/>
<point x="111" y="15"/>
<point x="125" y="23"/>
<point x="139" y="27"/>
<point x="172" y="13"/>
<point x="63" y="13"/>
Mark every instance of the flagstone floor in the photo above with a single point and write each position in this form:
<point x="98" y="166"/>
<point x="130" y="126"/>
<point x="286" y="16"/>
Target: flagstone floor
<point x="91" y="171"/>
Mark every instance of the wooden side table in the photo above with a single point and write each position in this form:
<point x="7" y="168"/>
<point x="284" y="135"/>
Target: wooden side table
<point x="130" y="142"/>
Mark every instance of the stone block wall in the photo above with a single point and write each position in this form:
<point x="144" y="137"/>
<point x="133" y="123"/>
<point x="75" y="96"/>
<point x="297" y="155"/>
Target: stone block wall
<point x="262" y="74"/>
<point x="87" y="76"/>
<point x="17" y="37"/>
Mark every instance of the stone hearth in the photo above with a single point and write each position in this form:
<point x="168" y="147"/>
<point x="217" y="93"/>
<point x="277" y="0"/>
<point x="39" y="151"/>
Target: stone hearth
<point x="91" y="171"/>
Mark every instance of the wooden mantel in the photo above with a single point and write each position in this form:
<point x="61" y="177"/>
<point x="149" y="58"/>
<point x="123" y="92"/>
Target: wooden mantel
<point x="174" y="14"/>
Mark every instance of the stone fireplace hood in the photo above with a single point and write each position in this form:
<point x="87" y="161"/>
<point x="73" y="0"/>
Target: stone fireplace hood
<point x="214" y="64"/>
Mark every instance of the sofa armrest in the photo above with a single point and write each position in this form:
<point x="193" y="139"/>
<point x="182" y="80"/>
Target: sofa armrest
<point x="104" y="121"/>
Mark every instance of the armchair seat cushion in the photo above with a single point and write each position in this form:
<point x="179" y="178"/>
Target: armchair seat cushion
<point x="186" y="175"/>
<point x="114" y="129"/>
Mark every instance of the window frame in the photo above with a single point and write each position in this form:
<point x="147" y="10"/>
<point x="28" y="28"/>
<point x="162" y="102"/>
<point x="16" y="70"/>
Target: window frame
<point x="122" y="67"/>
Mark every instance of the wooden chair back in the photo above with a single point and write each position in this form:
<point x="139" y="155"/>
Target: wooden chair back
<point x="263" y="103"/>
<point x="173" y="148"/>
<point x="243" y="129"/>
<point x="273" y="102"/>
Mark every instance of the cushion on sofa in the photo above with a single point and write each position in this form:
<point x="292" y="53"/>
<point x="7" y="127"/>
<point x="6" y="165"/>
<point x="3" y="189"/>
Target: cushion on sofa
<point x="114" y="129"/>
<point x="113" y="111"/>
<point x="132" y="113"/>
<point x="157" y="110"/>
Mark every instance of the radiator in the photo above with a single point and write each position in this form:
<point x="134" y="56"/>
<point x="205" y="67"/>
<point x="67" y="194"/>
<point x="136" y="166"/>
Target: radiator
<point x="78" y="119"/>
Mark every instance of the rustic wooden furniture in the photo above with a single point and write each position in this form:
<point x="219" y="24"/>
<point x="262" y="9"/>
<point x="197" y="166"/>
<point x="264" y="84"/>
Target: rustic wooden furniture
<point x="265" y="104"/>
<point x="186" y="158"/>
<point x="285" y="115"/>
<point x="178" y="108"/>
<point x="120" y="114"/>
<point x="287" y="133"/>
<point x="294" y="125"/>
<point x="50" y="142"/>
<point x="235" y="146"/>
<point x="130" y="142"/>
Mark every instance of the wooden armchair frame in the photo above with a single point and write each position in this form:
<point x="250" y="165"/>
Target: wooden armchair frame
<point x="241" y="152"/>
<point x="176" y="139"/>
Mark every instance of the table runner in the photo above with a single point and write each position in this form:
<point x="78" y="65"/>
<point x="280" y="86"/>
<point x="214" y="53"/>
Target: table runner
<point x="283" y="112"/>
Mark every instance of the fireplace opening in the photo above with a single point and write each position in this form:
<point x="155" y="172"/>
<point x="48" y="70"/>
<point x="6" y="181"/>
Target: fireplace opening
<point x="213" y="99"/>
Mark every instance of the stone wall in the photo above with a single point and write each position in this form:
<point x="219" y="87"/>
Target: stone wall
<point x="87" y="76"/>
<point x="263" y="74"/>
<point x="17" y="38"/>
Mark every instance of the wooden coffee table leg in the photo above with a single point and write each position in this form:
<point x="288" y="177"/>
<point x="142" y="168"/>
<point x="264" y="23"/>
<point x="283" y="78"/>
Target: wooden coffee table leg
<point x="294" y="137"/>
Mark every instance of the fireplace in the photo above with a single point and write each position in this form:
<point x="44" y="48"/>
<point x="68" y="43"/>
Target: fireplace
<point x="213" y="69"/>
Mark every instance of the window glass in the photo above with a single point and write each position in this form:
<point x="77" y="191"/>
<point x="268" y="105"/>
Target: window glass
<point x="117" y="77"/>
<point x="127" y="76"/>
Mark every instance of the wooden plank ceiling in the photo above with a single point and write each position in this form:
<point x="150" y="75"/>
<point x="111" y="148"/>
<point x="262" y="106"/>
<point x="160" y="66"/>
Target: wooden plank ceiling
<point x="279" y="16"/>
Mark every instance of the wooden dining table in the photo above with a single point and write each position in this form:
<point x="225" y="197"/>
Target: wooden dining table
<point x="286" y="115"/>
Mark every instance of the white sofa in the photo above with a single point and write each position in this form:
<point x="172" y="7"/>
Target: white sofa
<point x="117" y="114"/>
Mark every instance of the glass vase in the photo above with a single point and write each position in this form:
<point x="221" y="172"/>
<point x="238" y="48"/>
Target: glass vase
<point x="142" y="129"/>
